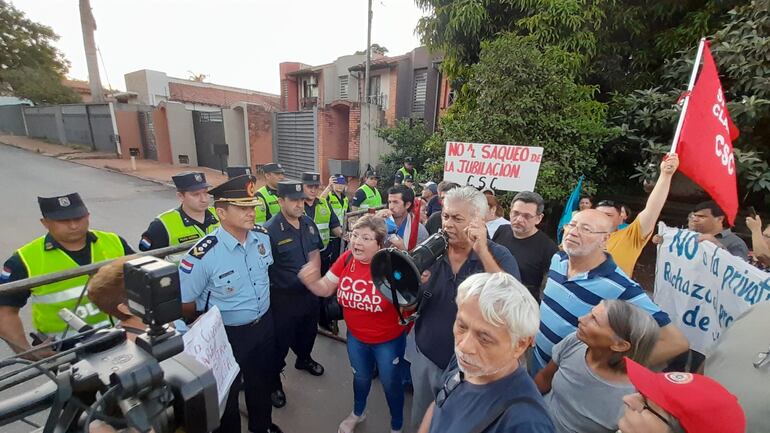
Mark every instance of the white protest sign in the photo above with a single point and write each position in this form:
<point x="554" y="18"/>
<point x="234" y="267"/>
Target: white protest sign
<point x="704" y="288"/>
<point x="207" y="342"/>
<point x="498" y="166"/>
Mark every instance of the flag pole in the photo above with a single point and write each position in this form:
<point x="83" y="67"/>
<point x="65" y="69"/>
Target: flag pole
<point x="690" y="85"/>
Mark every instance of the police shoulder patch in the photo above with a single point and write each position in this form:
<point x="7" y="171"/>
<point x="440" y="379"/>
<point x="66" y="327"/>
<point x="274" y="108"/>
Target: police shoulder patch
<point x="260" y="229"/>
<point x="201" y="248"/>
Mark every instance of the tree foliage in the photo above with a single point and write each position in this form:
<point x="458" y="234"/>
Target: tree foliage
<point x="521" y="94"/>
<point x="30" y="66"/>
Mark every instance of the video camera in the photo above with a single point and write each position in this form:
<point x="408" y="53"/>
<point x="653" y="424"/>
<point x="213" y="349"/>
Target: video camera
<point x="146" y="384"/>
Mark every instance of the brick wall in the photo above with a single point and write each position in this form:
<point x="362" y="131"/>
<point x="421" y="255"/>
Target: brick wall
<point x="260" y="134"/>
<point x="354" y="131"/>
<point x="130" y="132"/>
<point x="333" y="137"/>
<point x="221" y="97"/>
<point x="390" y="113"/>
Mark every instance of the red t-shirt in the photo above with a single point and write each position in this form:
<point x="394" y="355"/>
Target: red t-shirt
<point x="370" y="317"/>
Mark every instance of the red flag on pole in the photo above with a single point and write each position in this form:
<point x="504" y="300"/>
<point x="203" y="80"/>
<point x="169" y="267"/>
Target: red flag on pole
<point x="705" y="143"/>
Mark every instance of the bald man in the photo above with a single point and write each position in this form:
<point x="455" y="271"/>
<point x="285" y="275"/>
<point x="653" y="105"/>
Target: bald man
<point x="583" y="275"/>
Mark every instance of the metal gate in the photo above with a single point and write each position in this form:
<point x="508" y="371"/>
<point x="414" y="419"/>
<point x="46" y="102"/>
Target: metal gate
<point x="147" y="129"/>
<point x="209" y="131"/>
<point x="295" y="141"/>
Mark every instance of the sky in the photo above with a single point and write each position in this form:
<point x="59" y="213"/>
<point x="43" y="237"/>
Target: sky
<point x="233" y="42"/>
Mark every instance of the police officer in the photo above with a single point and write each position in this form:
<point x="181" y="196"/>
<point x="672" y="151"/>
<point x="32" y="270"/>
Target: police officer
<point x="407" y="170"/>
<point x="295" y="241"/>
<point x="368" y="196"/>
<point x="337" y="198"/>
<point x="321" y="213"/>
<point x="274" y="173"/>
<point x="229" y="269"/>
<point x="193" y="219"/>
<point x="68" y="244"/>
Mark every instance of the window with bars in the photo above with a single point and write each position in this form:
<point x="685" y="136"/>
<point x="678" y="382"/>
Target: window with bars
<point x="344" y="87"/>
<point x="420" y="92"/>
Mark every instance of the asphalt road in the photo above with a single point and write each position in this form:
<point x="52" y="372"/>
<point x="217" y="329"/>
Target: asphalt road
<point x="125" y="205"/>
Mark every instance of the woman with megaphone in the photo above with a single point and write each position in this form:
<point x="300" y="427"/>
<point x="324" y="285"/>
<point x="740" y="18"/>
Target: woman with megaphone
<point x="375" y="336"/>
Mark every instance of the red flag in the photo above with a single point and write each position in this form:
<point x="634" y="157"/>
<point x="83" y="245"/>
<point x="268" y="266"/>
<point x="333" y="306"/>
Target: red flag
<point x="705" y="145"/>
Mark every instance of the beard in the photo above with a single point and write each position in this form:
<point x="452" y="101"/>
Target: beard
<point x="478" y="369"/>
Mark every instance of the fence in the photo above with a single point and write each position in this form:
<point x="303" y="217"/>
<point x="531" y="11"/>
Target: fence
<point x="88" y="124"/>
<point x="12" y="119"/>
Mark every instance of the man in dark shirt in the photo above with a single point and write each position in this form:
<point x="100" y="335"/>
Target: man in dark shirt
<point x="531" y="247"/>
<point x="485" y="388"/>
<point x="469" y="253"/>
<point x="434" y="220"/>
<point x="430" y="195"/>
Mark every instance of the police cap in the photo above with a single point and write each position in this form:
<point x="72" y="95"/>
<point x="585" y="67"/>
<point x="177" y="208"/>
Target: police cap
<point x="291" y="189"/>
<point x="63" y="207"/>
<point x="311" y="178"/>
<point x="372" y="173"/>
<point x="340" y="179"/>
<point x="190" y="181"/>
<point x="238" y="170"/>
<point x="238" y="191"/>
<point x="273" y="167"/>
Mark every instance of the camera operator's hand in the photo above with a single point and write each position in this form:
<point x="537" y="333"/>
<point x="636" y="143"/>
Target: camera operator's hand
<point x="309" y="274"/>
<point x="477" y="234"/>
<point x="99" y="426"/>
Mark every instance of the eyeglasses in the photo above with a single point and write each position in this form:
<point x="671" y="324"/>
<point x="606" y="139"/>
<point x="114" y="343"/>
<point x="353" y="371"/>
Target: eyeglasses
<point x="609" y="203"/>
<point x="448" y="387"/>
<point x="354" y="235"/>
<point x="526" y="216"/>
<point x="582" y="228"/>
<point x="646" y="406"/>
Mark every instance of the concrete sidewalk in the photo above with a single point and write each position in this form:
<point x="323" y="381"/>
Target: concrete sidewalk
<point x="149" y="170"/>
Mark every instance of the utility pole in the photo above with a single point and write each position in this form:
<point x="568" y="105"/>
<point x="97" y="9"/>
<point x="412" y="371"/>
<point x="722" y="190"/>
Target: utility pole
<point x="88" y="25"/>
<point x="368" y="52"/>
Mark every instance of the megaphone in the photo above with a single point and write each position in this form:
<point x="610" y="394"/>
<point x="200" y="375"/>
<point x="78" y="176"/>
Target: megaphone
<point x="396" y="273"/>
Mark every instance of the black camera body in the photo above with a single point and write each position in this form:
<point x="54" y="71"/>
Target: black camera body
<point x="146" y="384"/>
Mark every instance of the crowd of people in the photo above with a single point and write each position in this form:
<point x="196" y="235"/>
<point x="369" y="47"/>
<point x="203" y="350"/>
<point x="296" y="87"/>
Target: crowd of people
<point x="513" y="333"/>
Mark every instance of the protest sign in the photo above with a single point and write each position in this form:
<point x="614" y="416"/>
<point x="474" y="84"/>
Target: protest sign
<point x="503" y="167"/>
<point x="207" y="342"/>
<point x="704" y="288"/>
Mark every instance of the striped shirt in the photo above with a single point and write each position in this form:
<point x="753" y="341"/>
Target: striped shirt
<point x="566" y="299"/>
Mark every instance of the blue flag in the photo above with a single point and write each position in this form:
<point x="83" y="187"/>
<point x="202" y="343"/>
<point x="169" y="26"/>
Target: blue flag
<point x="572" y="205"/>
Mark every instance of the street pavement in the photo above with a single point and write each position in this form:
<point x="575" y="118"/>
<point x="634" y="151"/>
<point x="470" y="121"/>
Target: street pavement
<point x="126" y="205"/>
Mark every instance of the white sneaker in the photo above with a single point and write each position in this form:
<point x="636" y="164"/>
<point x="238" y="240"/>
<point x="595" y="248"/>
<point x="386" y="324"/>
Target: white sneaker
<point x="349" y="424"/>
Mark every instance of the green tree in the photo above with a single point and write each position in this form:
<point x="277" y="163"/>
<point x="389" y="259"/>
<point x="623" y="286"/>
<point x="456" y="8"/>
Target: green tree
<point x="521" y="94"/>
<point x="406" y="139"/>
<point x="30" y="66"/>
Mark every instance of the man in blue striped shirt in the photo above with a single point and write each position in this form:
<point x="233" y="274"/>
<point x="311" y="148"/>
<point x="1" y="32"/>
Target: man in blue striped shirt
<point x="582" y="276"/>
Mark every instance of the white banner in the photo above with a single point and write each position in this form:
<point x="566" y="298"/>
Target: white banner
<point x="704" y="288"/>
<point x="498" y="166"/>
<point x="207" y="342"/>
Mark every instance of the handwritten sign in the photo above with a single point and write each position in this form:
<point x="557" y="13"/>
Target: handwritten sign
<point x="704" y="288"/>
<point x="498" y="166"/>
<point x="206" y="340"/>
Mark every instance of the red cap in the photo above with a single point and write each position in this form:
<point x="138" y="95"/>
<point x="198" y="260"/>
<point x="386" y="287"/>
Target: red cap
<point x="698" y="402"/>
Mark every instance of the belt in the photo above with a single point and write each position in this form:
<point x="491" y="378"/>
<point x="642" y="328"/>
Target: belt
<point x="252" y="323"/>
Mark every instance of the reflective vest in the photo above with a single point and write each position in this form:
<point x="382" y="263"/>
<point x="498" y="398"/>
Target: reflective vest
<point x="404" y="173"/>
<point x="268" y="202"/>
<point x="321" y="218"/>
<point x="373" y="197"/>
<point x="48" y="299"/>
<point x="337" y="207"/>
<point x="178" y="233"/>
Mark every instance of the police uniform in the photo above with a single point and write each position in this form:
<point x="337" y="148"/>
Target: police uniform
<point x="295" y="308"/>
<point x="175" y="226"/>
<point x="403" y="172"/>
<point x="45" y="255"/>
<point x="268" y="196"/>
<point x="220" y="270"/>
<point x="340" y="205"/>
<point x="367" y="197"/>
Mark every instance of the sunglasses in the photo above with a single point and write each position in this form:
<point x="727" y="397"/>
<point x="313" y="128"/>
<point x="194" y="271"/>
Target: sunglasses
<point x="448" y="387"/>
<point x="647" y="407"/>
<point x="609" y="203"/>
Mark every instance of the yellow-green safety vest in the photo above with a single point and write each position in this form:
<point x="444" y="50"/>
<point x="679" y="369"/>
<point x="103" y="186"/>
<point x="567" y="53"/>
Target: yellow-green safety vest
<point x="321" y="218"/>
<point x="178" y="233"/>
<point x="404" y="172"/>
<point x="373" y="197"/>
<point x="268" y="201"/>
<point x="41" y="258"/>
<point x="337" y="207"/>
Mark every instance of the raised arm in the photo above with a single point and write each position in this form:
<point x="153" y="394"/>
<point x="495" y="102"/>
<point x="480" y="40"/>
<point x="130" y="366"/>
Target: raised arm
<point x="651" y="212"/>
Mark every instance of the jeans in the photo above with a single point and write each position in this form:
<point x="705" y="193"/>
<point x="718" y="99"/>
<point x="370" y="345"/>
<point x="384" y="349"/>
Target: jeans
<point x="388" y="357"/>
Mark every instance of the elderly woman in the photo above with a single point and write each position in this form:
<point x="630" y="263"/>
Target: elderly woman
<point x="494" y="218"/>
<point x="107" y="291"/>
<point x="678" y="403"/>
<point x="375" y="336"/>
<point x="590" y="362"/>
